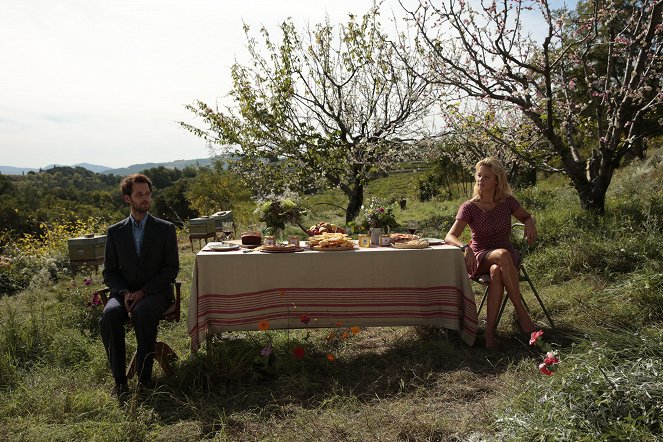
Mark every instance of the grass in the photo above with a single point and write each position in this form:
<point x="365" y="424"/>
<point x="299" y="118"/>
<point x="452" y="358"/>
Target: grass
<point x="601" y="279"/>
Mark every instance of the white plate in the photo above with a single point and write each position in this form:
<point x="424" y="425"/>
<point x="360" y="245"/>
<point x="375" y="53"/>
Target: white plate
<point x="434" y="241"/>
<point x="222" y="246"/>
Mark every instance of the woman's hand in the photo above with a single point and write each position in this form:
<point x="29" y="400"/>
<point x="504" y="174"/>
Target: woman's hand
<point x="530" y="230"/>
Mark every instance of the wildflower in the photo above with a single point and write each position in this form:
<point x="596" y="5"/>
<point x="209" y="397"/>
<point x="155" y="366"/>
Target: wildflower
<point x="96" y="299"/>
<point x="345" y="336"/>
<point x="535" y="336"/>
<point x="330" y="357"/>
<point x="339" y="324"/>
<point x="282" y="293"/>
<point x="550" y="359"/>
<point x="298" y="352"/>
<point x="356" y="329"/>
<point x="263" y="325"/>
<point x="304" y="318"/>
<point x="88" y="281"/>
<point x="543" y="368"/>
<point x="265" y="352"/>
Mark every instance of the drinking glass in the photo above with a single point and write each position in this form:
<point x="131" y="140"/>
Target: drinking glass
<point x="228" y="229"/>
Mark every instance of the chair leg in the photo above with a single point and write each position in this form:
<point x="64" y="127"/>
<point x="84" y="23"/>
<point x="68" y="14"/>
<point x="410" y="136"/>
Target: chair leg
<point x="131" y="370"/>
<point x="163" y="354"/>
<point x="538" y="298"/>
<point x="483" y="300"/>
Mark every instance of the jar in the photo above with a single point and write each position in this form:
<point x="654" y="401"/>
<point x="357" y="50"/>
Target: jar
<point x="385" y="240"/>
<point x="364" y="241"/>
<point x="293" y="240"/>
<point x="269" y="241"/>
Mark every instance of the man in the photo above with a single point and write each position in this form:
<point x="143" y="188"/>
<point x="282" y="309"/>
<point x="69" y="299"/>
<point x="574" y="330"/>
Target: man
<point x="141" y="263"/>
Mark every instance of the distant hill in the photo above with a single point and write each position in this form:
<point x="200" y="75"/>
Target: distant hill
<point x="178" y="164"/>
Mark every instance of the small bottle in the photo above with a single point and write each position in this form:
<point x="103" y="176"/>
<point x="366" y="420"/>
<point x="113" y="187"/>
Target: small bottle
<point x="269" y="241"/>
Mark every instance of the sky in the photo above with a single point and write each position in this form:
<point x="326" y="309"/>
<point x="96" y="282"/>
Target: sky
<point x="106" y="82"/>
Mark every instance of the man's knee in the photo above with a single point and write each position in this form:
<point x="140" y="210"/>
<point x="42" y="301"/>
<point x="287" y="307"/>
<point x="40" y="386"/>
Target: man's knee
<point x="113" y="313"/>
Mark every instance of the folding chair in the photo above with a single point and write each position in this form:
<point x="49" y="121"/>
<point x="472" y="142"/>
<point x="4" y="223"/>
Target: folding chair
<point x="163" y="354"/>
<point x="484" y="279"/>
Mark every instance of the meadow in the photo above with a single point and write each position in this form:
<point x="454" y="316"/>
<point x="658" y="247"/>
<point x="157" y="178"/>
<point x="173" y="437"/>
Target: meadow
<point x="601" y="278"/>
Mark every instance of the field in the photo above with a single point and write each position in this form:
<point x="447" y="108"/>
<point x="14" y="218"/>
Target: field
<point x="601" y="278"/>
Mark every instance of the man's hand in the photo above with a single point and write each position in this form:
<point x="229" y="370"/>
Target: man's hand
<point x="132" y="299"/>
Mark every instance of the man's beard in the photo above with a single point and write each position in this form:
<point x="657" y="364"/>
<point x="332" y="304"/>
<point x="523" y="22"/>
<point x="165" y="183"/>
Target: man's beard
<point x="139" y="208"/>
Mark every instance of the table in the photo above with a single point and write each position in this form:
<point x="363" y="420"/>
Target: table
<point x="378" y="286"/>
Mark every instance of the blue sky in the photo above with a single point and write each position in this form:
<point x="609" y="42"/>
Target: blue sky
<point x="106" y="82"/>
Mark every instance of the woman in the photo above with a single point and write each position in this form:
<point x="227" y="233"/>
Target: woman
<point x="488" y="214"/>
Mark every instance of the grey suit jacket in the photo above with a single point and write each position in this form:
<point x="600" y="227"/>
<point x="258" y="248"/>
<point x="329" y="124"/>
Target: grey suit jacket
<point x="156" y="268"/>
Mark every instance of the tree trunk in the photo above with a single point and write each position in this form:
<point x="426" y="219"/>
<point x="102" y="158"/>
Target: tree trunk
<point x="355" y="201"/>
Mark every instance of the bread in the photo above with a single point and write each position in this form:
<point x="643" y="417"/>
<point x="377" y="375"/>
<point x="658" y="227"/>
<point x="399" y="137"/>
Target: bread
<point x="251" y="239"/>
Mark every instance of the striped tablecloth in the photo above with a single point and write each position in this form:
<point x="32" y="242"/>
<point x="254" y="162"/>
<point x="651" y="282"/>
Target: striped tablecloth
<point x="380" y="286"/>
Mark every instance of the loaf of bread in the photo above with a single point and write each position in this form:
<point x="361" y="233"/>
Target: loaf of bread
<point x="251" y="239"/>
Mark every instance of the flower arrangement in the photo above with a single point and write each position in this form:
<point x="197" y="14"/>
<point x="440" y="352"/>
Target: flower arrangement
<point x="549" y="364"/>
<point x="375" y="214"/>
<point x="275" y="211"/>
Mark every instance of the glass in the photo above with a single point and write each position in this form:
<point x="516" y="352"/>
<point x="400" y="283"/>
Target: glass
<point x="412" y="227"/>
<point x="228" y="230"/>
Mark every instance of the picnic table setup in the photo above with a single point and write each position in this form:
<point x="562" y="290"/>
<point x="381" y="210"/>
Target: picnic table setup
<point x="408" y="281"/>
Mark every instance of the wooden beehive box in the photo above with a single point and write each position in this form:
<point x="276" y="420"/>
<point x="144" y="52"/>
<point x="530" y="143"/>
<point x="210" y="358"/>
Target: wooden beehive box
<point x="87" y="249"/>
<point x="203" y="225"/>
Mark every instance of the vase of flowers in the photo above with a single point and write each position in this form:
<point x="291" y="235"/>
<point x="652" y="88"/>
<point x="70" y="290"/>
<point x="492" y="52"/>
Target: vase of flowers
<point x="276" y="211"/>
<point x="375" y="218"/>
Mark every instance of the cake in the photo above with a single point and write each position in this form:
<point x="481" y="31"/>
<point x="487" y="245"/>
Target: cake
<point x="251" y="239"/>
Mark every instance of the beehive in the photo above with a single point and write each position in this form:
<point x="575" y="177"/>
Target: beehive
<point x="87" y="249"/>
<point x="222" y="217"/>
<point x="202" y="226"/>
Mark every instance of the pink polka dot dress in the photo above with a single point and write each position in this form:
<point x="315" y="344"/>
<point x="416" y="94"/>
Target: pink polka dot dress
<point x="491" y="229"/>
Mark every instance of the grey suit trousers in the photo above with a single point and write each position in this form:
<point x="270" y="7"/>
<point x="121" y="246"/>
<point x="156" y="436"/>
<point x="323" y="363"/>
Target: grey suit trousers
<point x="145" y="319"/>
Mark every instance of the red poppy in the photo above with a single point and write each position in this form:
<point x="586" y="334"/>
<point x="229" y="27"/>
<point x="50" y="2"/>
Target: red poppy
<point x="88" y="281"/>
<point x="263" y="325"/>
<point x="330" y="357"/>
<point x="304" y="318"/>
<point x="543" y="368"/>
<point x="298" y="352"/>
<point x="96" y="299"/>
<point x="550" y="359"/>
<point x="535" y="336"/>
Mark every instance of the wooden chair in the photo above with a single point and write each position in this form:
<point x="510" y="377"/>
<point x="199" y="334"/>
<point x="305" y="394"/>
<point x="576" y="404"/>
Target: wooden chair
<point x="523" y="276"/>
<point x="163" y="354"/>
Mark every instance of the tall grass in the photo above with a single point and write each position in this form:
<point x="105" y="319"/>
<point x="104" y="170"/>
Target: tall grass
<point x="600" y="277"/>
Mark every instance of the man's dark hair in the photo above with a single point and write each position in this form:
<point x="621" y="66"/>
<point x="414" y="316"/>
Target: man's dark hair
<point x="127" y="183"/>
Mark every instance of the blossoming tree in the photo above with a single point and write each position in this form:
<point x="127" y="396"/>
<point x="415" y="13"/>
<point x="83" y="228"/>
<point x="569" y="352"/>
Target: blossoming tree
<point x="589" y="86"/>
<point x="330" y="106"/>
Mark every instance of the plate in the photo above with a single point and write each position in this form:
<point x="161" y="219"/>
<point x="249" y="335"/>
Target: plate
<point x="332" y="249"/>
<point x="221" y="246"/>
<point x="434" y="241"/>
<point x="288" y="250"/>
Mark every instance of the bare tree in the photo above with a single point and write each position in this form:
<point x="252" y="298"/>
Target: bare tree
<point x="328" y="106"/>
<point x="587" y="87"/>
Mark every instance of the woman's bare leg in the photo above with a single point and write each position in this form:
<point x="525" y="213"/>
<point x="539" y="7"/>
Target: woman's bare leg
<point x="495" y="293"/>
<point x="509" y="279"/>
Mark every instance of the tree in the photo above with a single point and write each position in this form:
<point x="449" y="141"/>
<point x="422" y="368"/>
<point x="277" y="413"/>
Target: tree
<point x="326" y="107"/>
<point x="588" y="88"/>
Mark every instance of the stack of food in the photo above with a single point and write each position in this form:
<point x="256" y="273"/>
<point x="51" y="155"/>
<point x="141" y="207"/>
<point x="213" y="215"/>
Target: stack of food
<point x="251" y="239"/>
<point x="325" y="227"/>
<point x="331" y="241"/>
<point x="407" y="241"/>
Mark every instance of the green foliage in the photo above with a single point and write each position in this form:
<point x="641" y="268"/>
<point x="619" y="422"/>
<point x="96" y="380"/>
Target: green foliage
<point x="598" y="393"/>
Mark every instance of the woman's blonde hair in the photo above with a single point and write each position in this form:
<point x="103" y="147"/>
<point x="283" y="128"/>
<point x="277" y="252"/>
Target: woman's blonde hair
<point x="503" y="189"/>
